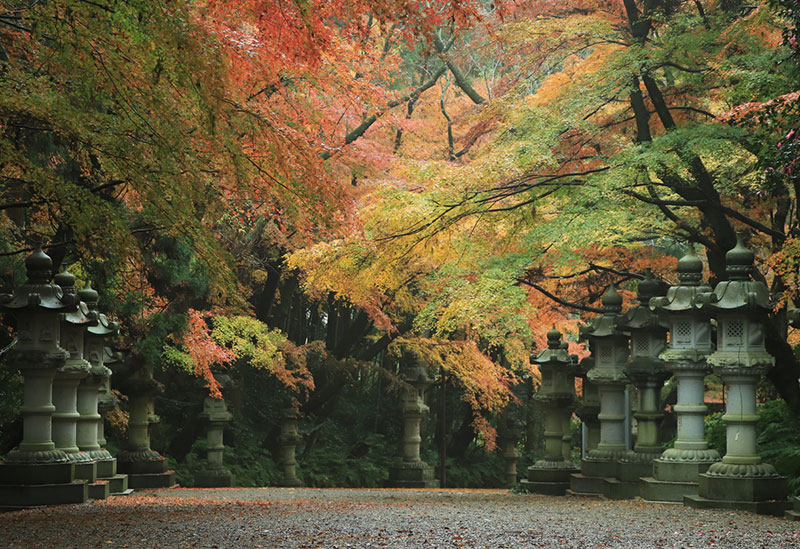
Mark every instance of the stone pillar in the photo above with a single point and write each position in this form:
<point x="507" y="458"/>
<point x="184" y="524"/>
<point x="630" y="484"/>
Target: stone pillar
<point x="91" y="438"/>
<point x="676" y="472"/>
<point x="551" y="475"/>
<point x="740" y="305"/>
<point x="411" y="471"/>
<point x="36" y="472"/>
<point x="217" y="416"/>
<point x="289" y="440"/>
<point x="509" y="429"/>
<point x="610" y="353"/>
<point x="647" y="373"/>
<point x="145" y="467"/>
<point x="65" y="386"/>
<point x="589" y="406"/>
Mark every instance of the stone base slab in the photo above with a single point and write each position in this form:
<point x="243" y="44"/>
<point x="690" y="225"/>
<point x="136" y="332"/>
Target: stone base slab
<point x="99" y="489"/>
<point x="744" y="489"/>
<point x="776" y="507"/>
<point x="580" y="484"/>
<point x="536" y="474"/>
<point x="151" y="480"/>
<point x="148" y="466"/>
<point x="661" y="491"/>
<point x="599" y="468"/>
<point x="86" y="470"/>
<point x="614" y="488"/>
<point x="106" y="468"/>
<point x="214" y="479"/>
<point x="411" y="475"/>
<point x="546" y="488"/>
<point x="679" y="471"/>
<point x="118" y="484"/>
<point x="25" y="474"/>
<point x="21" y="496"/>
<point x="632" y="471"/>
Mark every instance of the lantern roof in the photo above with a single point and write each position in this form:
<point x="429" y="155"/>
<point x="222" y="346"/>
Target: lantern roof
<point x="681" y="297"/>
<point x="38" y="293"/>
<point x="81" y="315"/>
<point x="605" y="325"/>
<point x="641" y="317"/>
<point x="103" y="327"/>
<point x="739" y="293"/>
<point x="556" y="352"/>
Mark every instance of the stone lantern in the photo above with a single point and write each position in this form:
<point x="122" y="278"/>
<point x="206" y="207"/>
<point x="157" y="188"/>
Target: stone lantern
<point x="794" y="513"/>
<point x="289" y="439"/>
<point x="145" y="467"/>
<point x="36" y="472"/>
<point x="740" y="306"/>
<point x="90" y="419"/>
<point x="217" y="416"/>
<point x="509" y="430"/>
<point x="65" y="386"/>
<point x="647" y="373"/>
<point x="589" y="406"/>
<point x="675" y="472"/>
<point x="610" y="353"/>
<point x="551" y="475"/>
<point x="411" y="471"/>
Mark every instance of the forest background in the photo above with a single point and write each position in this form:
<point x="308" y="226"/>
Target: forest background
<point x="280" y="199"/>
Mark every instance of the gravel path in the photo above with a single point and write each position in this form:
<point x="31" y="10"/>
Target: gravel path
<point x="309" y="518"/>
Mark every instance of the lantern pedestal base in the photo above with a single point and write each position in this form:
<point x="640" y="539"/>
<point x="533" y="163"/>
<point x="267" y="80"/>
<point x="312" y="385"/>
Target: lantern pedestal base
<point x="762" y="495"/>
<point x="99" y="490"/>
<point x="35" y="473"/>
<point x="86" y="470"/>
<point x="632" y="471"/>
<point x="672" y="480"/>
<point x="214" y="478"/>
<point x="411" y="474"/>
<point x="22" y="496"/>
<point x="794" y="514"/>
<point x="662" y="491"/>
<point x="147" y="473"/>
<point x="106" y="468"/>
<point x="552" y="481"/>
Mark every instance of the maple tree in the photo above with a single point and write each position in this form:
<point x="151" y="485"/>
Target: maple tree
<point x="291" y="191"/>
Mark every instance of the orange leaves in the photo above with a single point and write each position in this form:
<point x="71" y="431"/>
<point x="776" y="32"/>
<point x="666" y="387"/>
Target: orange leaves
<point x="204" y="351"/>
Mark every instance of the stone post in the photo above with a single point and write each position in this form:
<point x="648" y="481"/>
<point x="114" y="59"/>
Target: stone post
<point x="509" y="429"/>
<point x="36" y="472"/>
<point x="65" y="386"/>
<point x="217" y="416"/>
<point x="90" y="424"/>
<point x="676" y="471"/>
<point x="740" y="305"/>
<point x="551" y="475"/>
<point x="145" y="467"/>
<point x="411" y="471"/>
<point x="610" y="353"/>
<point x="289" y="440"/>
<point x="647" y="372"/>
<point x="589" y="406"/>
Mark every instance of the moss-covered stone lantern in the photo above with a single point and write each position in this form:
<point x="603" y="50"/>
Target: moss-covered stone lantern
<point x="289" y="439"/>
<point x="648" y="333"/>
<point x="740" y="305"/>
<point x="610" y="352"/>
<point x="65" y="386"/>
<point x="216" y="415"/>
<point x="589" y="406"/>
<point x="36" y="472"/>
<point x="411" y="471"/>
<point x="551" y="475"/>
<point x="675" y="472"/>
